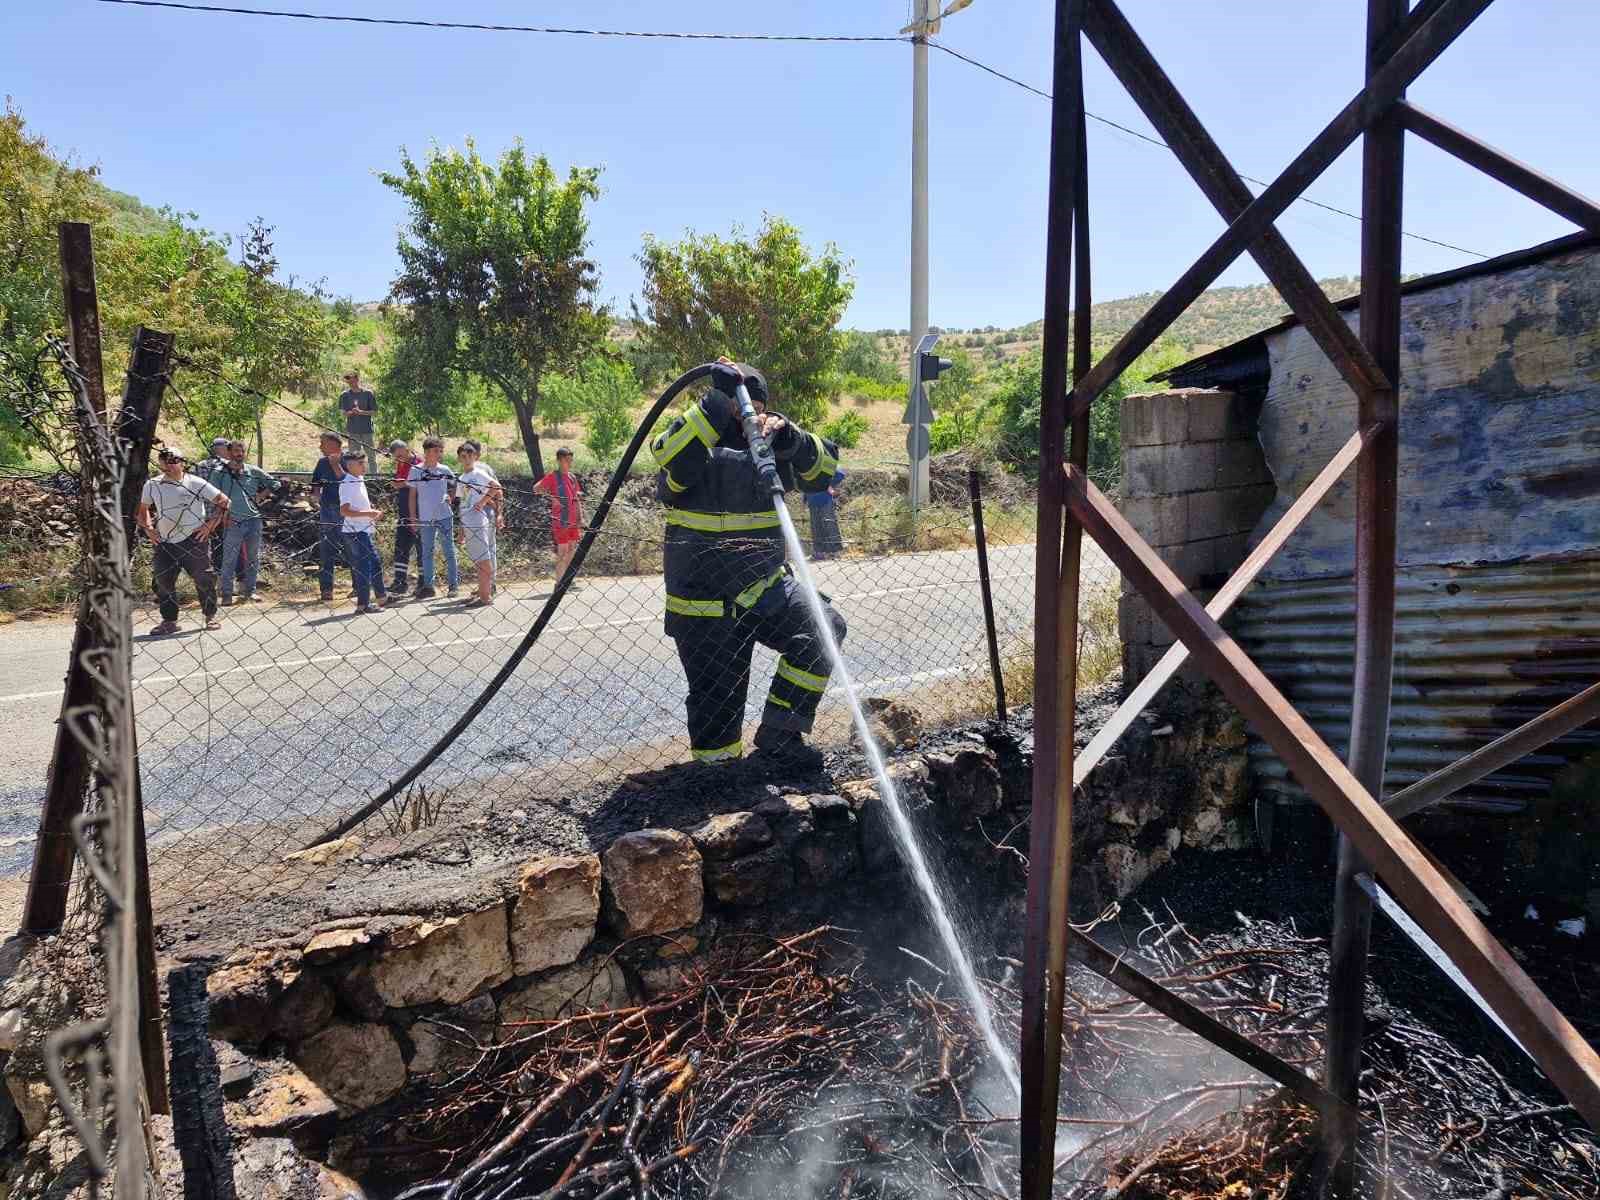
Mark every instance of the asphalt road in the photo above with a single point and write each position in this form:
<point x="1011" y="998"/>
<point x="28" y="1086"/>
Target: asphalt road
<point x="296" y="710"/>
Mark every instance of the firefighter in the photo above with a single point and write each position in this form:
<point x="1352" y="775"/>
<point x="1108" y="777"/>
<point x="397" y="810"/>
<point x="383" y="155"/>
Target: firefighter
<point x="727" y="582"/>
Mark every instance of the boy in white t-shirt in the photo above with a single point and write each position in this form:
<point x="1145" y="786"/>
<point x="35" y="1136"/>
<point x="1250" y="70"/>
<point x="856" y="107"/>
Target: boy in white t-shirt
<point x="360" y="520"/>
<point x="481" y="501"/>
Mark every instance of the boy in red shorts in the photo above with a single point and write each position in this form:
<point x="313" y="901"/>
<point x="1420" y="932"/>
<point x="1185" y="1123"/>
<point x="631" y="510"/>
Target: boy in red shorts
<point x="566" y="509"/>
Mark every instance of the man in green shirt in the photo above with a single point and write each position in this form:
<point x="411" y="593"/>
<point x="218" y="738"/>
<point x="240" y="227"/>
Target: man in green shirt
<point x="243" y="485"/>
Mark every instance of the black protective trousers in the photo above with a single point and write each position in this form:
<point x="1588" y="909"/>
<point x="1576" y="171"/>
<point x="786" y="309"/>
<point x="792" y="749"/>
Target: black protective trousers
<point x="715" y="652"/>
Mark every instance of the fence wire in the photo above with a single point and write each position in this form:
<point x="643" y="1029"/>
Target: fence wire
<point x="260" y="736"/>
<point x="93" y="1063"/>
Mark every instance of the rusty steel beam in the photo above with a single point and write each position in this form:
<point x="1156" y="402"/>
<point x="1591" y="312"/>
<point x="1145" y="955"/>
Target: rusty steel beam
<point x="1218" y="607"/>
<point x="1050" y="838"/>
<point x="1415" y="55"/>
<point x="1131" y="61"/>
<point x="1377" y="475"/>
<point x="1506" y="749"/>
<point x="1535" y="185"/>
<point x="1566" y="1058"/>
<point x="1195" y="1019"/>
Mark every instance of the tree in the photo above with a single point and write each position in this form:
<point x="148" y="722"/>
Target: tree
<point x="494" y="280"/>
<point x="282" y="335"/>
<point x="36" y="192"/>
<point x="612" y="395"/>
<point x="958" y="404"/>
<point x="767" y="301"/>
<point x="862" y="354"/>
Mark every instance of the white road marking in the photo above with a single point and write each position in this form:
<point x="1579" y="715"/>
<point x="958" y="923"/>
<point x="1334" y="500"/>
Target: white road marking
<point x="348" y="656"/>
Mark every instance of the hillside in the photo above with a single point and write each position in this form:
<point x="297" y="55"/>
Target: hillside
<point x="1220" y="316"/>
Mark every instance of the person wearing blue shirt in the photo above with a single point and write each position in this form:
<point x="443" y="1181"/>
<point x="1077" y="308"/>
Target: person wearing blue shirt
<point x="826" y="541"/>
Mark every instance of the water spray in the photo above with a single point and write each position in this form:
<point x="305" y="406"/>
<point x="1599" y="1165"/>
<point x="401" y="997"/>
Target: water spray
<point x="905" y="833"/>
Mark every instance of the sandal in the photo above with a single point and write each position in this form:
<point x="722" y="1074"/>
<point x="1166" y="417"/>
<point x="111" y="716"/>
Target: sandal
<point x="213" y="624"/>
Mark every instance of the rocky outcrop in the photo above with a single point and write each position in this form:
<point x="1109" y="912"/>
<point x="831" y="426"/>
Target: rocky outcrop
<point x="553" y="917"/>
<point x="652" y="883"/>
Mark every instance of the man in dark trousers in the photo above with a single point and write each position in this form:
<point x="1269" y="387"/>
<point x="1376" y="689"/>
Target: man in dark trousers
<point x="727" y="582"/>
<point x="358" y="406"/>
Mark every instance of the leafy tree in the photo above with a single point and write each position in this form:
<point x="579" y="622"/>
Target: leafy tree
<point x="495" y="282"/>
<point x="862" y="354"/>
<point x="36" y="192"/>
<point x="765" y="300"/>
<point x="422" y="396"/>
<point x="959" y="404"/>
<point x="612" y="393"/>
<point x="282" y="335"/>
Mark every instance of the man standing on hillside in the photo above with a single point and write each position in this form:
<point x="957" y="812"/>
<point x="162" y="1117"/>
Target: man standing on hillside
<point x="358" y="406"/>
<point x="173" y="514"/>
<point x="728" y="584"/>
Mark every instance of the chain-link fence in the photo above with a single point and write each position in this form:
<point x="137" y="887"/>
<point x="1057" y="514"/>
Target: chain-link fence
<point x="263" y="734"/>
<point x="88" y="967"/>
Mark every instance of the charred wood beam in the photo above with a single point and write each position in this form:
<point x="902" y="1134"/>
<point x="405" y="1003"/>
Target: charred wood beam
<point x="1369" y="105"/>
<point x="1506" y="749"/>
<point x="1535" y="185"/>
<point x="1139" y="72"/>
<point x="1569" y="1061"/>
<point x="1177" y="654"/>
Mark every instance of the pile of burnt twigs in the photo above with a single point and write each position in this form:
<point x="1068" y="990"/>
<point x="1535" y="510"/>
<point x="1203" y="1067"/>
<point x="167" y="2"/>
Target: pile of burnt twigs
<point x="791" y="1070"/>
<point x="1439" y="1120"/>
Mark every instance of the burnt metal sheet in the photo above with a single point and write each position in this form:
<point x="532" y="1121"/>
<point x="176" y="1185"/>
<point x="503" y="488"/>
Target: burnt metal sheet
<point x="1479" y="650"/>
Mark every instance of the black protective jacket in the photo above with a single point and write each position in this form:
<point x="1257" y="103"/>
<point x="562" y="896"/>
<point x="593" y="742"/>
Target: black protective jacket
<point x="724" y="546"/>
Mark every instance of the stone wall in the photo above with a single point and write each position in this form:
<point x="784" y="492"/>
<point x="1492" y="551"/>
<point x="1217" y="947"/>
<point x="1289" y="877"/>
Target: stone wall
<point x="1194" y="483"/>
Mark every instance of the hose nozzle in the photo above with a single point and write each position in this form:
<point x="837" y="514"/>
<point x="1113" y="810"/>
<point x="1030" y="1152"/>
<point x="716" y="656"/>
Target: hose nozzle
<point x="760" y="450"/>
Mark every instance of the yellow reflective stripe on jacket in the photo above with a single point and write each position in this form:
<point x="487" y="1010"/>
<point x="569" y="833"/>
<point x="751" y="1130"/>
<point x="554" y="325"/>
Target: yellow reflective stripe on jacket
<point x="675" y="485"/>
<point x="670" y="443"/>
<point x="721" y="522"/>
<point x="685" y="607"/>
<point x="825" y="464"/>
<point x="756" y="590"/>
<point x="695" y="417"/>
<point x="721" y="753"/>
<point x="802" y="679"/>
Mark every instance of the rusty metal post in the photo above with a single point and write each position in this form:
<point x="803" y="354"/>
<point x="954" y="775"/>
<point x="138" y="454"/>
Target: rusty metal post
<point x="975" y="491"/>
<point x="1050" y="841"/>
<point x="1383" y="174"/>
<point x="68" y="778"/>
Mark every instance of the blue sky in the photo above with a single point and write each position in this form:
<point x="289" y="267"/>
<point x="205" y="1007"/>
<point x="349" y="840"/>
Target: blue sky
<point x="234" y="116"/>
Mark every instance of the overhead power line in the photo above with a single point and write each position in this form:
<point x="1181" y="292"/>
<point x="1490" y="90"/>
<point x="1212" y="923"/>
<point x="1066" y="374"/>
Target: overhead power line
<point x="487" y="28"/>
<point x="1145" y="137"/>
<point x="574" y="31"/>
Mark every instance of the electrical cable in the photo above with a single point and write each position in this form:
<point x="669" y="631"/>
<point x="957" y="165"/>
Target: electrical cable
<point x="573" y="31"/>
<point x="563" y="585"/>
<point x="1154" y="141"/>
<point x="490" y="28"/>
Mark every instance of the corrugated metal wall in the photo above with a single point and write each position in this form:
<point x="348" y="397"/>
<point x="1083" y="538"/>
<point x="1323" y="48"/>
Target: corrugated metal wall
<point x="1478" y="651"/>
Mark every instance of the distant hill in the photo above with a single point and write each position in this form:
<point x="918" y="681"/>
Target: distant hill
<point x="1220" y="316"/>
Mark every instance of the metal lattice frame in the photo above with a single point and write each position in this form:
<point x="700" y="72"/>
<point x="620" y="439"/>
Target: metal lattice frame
<point x="1401" y="43"/>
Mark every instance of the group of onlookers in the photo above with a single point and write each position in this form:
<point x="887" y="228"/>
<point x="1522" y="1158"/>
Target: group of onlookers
<point x="437" y="509"/>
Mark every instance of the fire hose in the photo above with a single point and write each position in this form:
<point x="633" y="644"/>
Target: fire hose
<point x="766" y="469"/>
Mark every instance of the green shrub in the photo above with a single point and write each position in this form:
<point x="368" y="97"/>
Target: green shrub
<point x="845" y="429"/>
<point x="862" y="387"/>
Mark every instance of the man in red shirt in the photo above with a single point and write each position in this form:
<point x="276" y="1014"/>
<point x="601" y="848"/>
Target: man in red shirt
<point x="407" y="540"/>
<point x="566" y="509"/>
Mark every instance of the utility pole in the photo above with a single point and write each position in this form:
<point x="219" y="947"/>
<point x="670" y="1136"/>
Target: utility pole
<point x="925" y="25"/>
